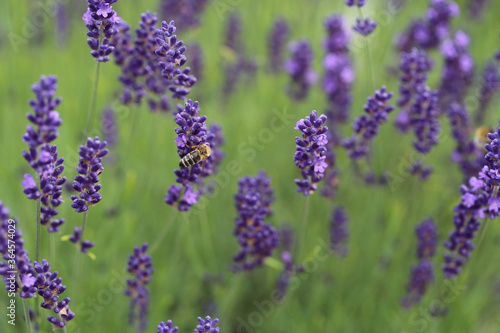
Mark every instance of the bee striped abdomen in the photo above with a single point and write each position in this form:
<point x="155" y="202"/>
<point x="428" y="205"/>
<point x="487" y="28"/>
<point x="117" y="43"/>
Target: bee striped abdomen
<point x="190" y="159"/>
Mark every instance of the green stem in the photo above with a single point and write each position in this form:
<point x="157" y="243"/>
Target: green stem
<point x="27" y="314"/>
<point x="52" y="248"/>
<point x="164" y="231"/>
<point x="303" y="226"/>
<point x="84" y="223"/>
<point x="38" y="224"/>
<point x="207" y="240"/>
<point x="93" y="99"/>
<point x="370" y="63"/>
<point x="79" y="255"/>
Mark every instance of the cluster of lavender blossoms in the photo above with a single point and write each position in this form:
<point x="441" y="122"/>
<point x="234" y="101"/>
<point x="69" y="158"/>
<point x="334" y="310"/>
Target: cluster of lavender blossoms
<point x="101" y="20"/>
<point x="50" y="288"/>
<point x="458" y="71"/>
<point x="277" y="40"/>
<point x="42" y="156"/>
<point x="141" y="266"/>
<point x="236" y="63"/>
<point x="206" y="325"/>
<point x="186" y="12"/>
<point x="490" y="84"/>
<point x="364" y="26"/>
<point x="337" y="84"/>
<point x="479" y="200"/>
<point x="467" y="154"/>
<point x="257" y="238"/>
<point x="310" y="156"/>
<point x="366" y="127"/>
<point x="422" y="274"/>
<point x="339" y="234"/>
<point x="89" y="168"/>
<point x="15" y="258"/>
<point x="152" y="63"/>
<point x="428" y="32"/>
<point x="359" y="3"/>
<point x="192" y="132"/>
<point x="299" y="67"/>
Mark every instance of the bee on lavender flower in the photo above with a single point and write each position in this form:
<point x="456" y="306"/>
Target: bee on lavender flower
<point x="481" y="137"/>
<point x="201" y="153"/>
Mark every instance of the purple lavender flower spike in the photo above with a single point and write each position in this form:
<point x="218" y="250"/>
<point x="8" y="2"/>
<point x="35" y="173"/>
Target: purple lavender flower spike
<point x="359" y="3"/>
<point x="458" y="71"/>
<point x="422" y="275"/>
<point x="141" y="266"/>
<point x="207" y="325"/>
<point x="479" y="200"/>
<point x="50" y="287"/>
<point x="43" y="157"/>
<point x="466" y="154"/>
<point x="424" y="115"/>
<point x="428" y="31"/>
<point x="195" y="56"/>
<point x="25" y="273"/>
<point x="100" y="20"/>
<point x="109" y="127"/>
<point x="490" y="84"/>
<point x="337" y="84"/>
<point x="427" y="239"/>
<point x="366" y="127"/>
<point x="414" y="67"/>
<point x="171" y="51"/>
<point x="186" y="12"/>
<point x="75" y="238"/>
<point x="364" y="26"/>
<point x="299" y="68"/>
<point x="310" y="156"/>
<point x="89" y="168"/>
<point x="338" y="231"/>
<point x="167" y="328"/>
<point x="257" y="238"/>
<point x="277" y="40"/>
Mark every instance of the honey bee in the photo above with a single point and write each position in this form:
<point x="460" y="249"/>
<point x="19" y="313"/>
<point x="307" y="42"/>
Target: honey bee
<point x="481" y="137"/>
<point x="201" y="153"/>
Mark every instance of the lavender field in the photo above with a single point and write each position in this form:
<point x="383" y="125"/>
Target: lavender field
<point x="250" y="166"/>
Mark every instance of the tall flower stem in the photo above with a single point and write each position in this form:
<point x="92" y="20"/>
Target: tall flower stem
<point x="303" y="226"/>
<point x="93" y="99"/>
<point x="26" y="311"/>
<point x="52" y="248"/>
<point x="78" y="261"/>
<point x="370" y="62"/>
<point x="38" y="224"/>
<point x="164" y="231"/>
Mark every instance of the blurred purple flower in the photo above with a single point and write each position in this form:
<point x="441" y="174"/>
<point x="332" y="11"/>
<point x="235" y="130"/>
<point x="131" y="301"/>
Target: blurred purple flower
<point x="299" y="67"/>
<point x="276" y="42"/>
<point x="140" y="266"/>
<point x="364" y="26"/>
<point x="109" y="127"/>
<point x="428" y="32"/>
<point x="338" y="231"/>
<point x="186" y="12"/>
<point x="490" y="84"/>
<point x="359" y="3"/>
<point x="310" y="156"/>
<point x="195" y="56"/>
<point x="256" y="238"/>
<point x="458" y="71"/>
<point x="476" y="8"/>
<point x="422" y="275"/>
<point x="75" y="238"/>
<point x="167" y="328"/>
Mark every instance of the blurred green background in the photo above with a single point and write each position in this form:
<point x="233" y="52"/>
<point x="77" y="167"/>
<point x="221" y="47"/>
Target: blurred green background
<point x="360" y="293"/>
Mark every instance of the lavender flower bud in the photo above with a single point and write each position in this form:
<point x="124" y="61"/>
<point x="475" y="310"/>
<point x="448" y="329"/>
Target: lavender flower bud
<point x="310" y="156"/>
<point x="207" y="325"/>
<point x="338" y="231"/>
<point x="89" y="168"/>
<point x="364" y="26"/>
<point x="257" y="238"/>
